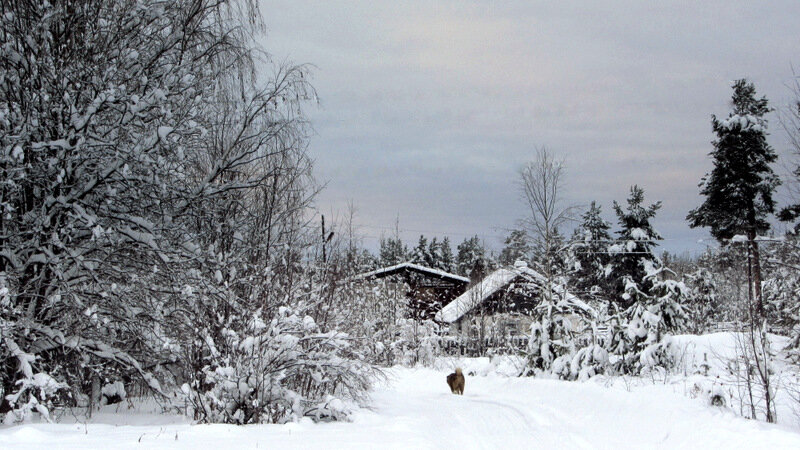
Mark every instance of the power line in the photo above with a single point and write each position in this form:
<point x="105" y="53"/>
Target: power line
<point x="445" y="233"/>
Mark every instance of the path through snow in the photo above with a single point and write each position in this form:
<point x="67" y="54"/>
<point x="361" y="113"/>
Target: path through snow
<point x="415" y="410"/>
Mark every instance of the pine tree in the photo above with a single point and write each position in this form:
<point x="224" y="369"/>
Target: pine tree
<point x="392" y="252"/>
<point x="435" y="254"/>
<point x="517" y="247"/>
<point x="590" y="254"/>
<point x="635" y="241"/>
<point x="739" y="189"/>
<point x="703" y="300"/>
<point x="470" y="251"/>
<point x="421" y="254"/>
<point x="448" y="263"/>
<point x="657" y="310"/>
<point x="553" y="258"/>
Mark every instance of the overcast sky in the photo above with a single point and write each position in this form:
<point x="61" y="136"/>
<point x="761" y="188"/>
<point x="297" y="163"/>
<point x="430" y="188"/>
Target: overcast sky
<point x="428" y="109"/>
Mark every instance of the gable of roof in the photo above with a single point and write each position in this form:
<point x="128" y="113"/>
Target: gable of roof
<point x="408" y="266"/>
<point x="496" y="281"/>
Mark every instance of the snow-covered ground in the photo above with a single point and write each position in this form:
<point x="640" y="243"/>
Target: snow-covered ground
<point x="414" y="409"/>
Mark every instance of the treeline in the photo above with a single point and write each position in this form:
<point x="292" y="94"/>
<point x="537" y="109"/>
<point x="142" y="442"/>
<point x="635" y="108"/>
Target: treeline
<point x="436" y="254"/>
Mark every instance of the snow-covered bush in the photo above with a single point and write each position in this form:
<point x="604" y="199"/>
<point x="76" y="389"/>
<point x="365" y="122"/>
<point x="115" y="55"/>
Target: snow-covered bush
<point x="33" y="391"/>
<point x="113" y="393"/>
<point x="278" y="372"/>
<point x="372" y="310"/>
<point x="542" y="350"/>
<point x="553" y="342"/>
<point x="585" y="363"/>
<point x="704" y="301"/>
<point x="713" y="392"/>
<point x="418" y="342"/>
<point x="377" y="315"/>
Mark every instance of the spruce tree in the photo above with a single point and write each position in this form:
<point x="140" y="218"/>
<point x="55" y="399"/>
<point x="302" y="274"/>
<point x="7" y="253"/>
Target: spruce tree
<point x="448" y="263"/>
<point x="551" y="256"/>
<point x="392" y="252"/>
<point x="470" y="252"/>
<point x="657" y="310"/>
<point x="704" y="302"/>
<point x="517" y="247"/>
<point x="421" y="254"/>
<point x="435" y="254"/>
<point x="739" y="189"/>
<point x="635" y="242"/>
<point x="590" y="257"/>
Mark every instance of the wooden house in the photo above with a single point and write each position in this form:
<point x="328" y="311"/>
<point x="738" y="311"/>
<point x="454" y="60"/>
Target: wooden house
<point x="428" y="289"/>
<point x="501" y="307"/>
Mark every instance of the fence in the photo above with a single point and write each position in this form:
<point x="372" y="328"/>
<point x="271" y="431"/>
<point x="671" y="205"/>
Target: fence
<point x="474" y="346"/>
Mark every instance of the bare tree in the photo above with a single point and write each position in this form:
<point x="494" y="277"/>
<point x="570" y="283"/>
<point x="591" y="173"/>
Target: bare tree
<point x="752" y="371"/>
<point x="541" y="183"/>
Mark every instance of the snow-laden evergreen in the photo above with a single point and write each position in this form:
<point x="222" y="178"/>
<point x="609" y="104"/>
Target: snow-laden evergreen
<point x="738" y="191"/>
<point x="471" y="255"/>
<point x="444" y="257"/>
<point x="634" y="245"/>
<point x="392" y="252"/>
<point x="589" y="256"/>
<point x="641" y="341"/>
<point x="705" y="304"/>
<point x="422" y="254"/>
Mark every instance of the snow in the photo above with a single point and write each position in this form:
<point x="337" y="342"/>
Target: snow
<point x="414" y="409"/>
<point x="739" y="238"/>
<point x="18" y="153"/>
<point x="745" y="122"/>
<point x="475" y="295"/>
<point x="704" y="360"/>
<point x="115" y="389"/>
<point x="639" y="234"/>
<point x="163" y="132"/>
<point x="412" y="266"/>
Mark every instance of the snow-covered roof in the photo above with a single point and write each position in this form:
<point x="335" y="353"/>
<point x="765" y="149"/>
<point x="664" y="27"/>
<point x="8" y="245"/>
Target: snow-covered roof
<point x="495" y="281"/>
<point x="410" y="266"/>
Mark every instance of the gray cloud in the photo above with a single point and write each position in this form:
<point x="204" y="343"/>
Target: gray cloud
<point x="429" y="109"/>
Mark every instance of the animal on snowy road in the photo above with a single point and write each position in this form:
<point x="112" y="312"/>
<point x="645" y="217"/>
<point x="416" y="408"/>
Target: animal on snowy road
<point x="456" y="382"/>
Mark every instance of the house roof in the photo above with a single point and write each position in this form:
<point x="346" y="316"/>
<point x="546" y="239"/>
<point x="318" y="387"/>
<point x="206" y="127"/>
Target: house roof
<point x="391" y="270"/>
<point x="496" y="281"/>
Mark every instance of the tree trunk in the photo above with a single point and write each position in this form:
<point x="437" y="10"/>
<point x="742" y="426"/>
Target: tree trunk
<point x="755" y="262"/>
<point x="95" y="394"/>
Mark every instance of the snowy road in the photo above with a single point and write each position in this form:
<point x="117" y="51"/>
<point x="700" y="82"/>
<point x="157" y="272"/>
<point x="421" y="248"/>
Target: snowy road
<point x="415" y="410"/>
<point x="499" y="412"/>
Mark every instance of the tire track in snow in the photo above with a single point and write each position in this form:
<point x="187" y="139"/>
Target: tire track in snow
<point x="543" y="423"/>
<point x="512" y="408"/>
